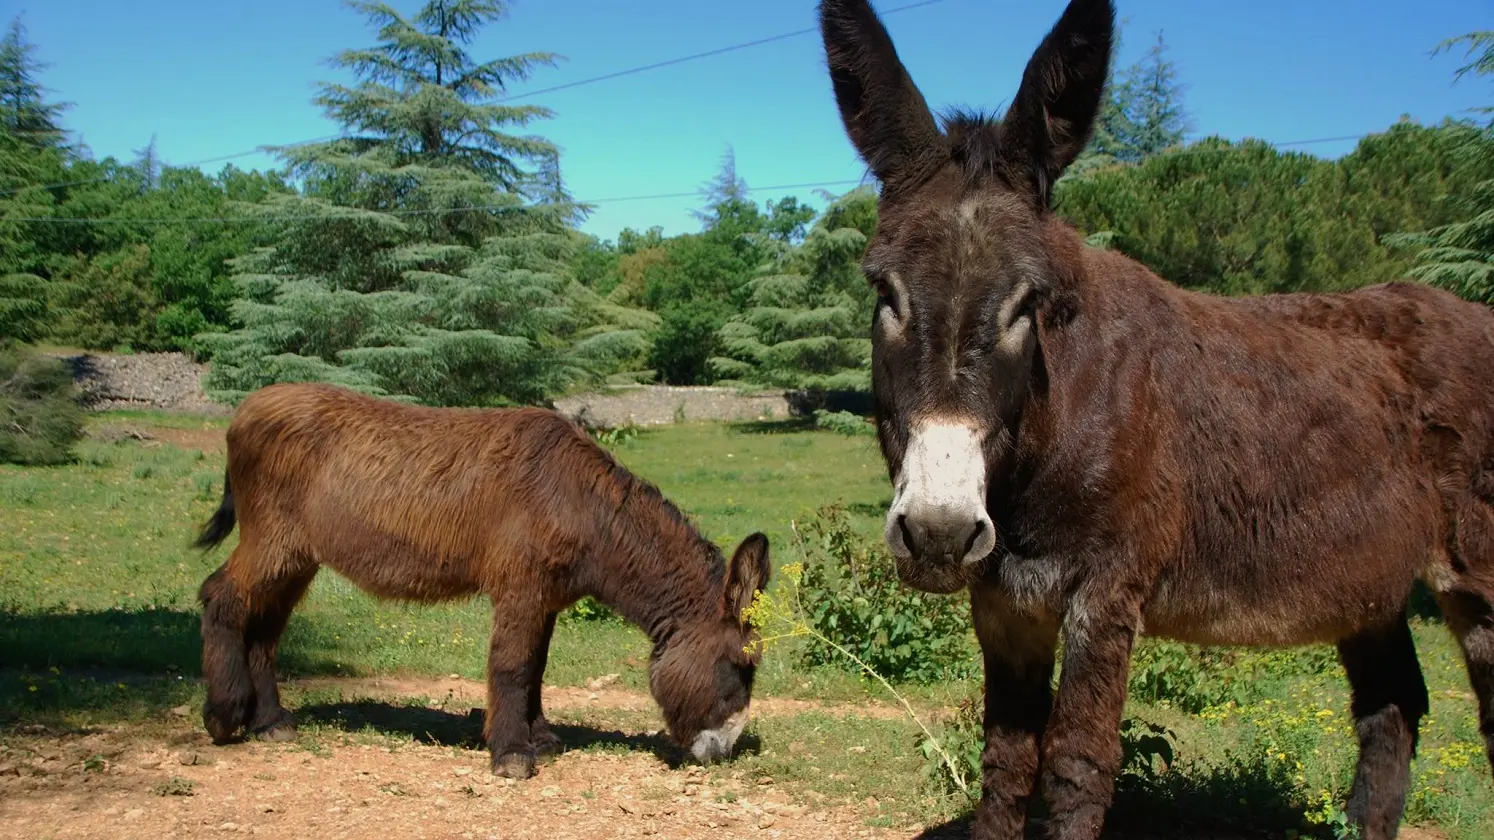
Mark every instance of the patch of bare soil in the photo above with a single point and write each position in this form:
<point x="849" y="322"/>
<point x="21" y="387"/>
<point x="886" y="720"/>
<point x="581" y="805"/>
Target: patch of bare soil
<point x="598" y="694"/>
<point x="207" y="440"/>
<point x="122" y="785"/>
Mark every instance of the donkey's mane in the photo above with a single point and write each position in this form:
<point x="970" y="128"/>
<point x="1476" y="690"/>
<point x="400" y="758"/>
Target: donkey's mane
<point x="630" y="489"/>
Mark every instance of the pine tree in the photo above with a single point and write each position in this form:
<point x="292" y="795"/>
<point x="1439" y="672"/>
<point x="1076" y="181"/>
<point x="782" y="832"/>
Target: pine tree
<point x="24" y="113"/>
<point x="1141" y="115"/>
<point x="723" y="193"/>
<point x="1154" y="106"/>
<point x="148" y="163"/>
<point x="426" y="254"/>
<point x="805" y="325"/>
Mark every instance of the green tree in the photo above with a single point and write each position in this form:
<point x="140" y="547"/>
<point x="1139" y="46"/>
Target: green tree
<point x="40" y="418"/>
<point x="1247" y="218"/>
<point x="1459" y="255"/>
<point x="1143" y="114"/>
<point x="805" y="324"/>
<point x="23" y="307"/>
<point x="24" y="111"/>
<point x="427" y="254"/>
<point x="1153" y="103"/>
<point x="697" y="281"/>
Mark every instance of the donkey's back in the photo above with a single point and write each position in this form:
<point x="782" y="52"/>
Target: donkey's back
<point x="1302" y="449"/>
<point x="407" y="502"/>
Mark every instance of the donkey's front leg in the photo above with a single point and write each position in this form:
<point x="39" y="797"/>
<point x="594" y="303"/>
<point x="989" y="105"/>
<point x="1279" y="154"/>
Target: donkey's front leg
<point x="1082" y="747"/>
<point x="514" y="667"/>
<point x="1018" y="652"/>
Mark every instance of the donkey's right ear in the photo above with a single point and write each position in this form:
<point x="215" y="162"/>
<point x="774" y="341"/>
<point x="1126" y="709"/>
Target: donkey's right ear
<point x="885" y="116"/>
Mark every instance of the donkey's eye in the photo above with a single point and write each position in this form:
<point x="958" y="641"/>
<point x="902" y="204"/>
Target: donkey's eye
<point x="885" y="293"/>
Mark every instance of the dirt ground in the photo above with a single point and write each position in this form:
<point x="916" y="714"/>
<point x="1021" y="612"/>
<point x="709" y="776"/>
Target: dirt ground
<point x="170" y="781"/>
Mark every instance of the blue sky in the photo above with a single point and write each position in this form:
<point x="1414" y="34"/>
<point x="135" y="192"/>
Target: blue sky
<point x="210" y="79"/>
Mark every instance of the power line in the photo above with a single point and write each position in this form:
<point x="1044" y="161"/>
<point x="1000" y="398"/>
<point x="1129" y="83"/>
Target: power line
<point x="524" y="95"/>
<point x="707" y="54"/>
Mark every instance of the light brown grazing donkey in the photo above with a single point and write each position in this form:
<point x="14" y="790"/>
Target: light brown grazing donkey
<point x="1094" y="453"/>
<point x="427" y="504"/>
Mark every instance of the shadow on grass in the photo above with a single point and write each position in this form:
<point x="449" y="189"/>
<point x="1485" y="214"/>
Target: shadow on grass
<point x="1243" y="800"/>
<point x="792" y="425"/>
<point x="145" y="640"/>
<point x="149" y="639"/>
<point x="109" y="665"/>
<point x="463" y="730"/>
<point x="874" y="511"/>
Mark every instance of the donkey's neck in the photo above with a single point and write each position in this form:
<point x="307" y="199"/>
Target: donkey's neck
<point x="653" y="568"/>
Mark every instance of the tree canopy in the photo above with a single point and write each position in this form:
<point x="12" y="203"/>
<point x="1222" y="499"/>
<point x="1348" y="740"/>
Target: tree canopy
<point x="432" y="251"/>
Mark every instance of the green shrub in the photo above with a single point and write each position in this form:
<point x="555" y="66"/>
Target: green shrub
<point x="615" y="437"/>
<point x="1147" y="750"/>
<point x="851" y="593"/>
<point x="40" y="418"/>
<point x="589" y="609"/>
<point x="1192" y="678"/>
<point x="843" y="422"/>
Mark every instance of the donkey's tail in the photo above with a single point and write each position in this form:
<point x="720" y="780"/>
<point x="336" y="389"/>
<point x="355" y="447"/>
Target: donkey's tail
<point x="221" y="525"/>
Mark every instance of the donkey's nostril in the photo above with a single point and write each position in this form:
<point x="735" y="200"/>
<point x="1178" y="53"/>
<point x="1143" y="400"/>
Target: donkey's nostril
<point x="975" y="535"/>
<point x="907" y="535"/>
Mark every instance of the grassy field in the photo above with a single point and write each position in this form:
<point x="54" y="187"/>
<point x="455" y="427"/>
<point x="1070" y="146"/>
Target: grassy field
<point x="98" y="626"/>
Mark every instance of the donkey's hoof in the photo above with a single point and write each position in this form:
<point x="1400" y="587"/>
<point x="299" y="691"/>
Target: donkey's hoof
<point x="220" y="730"/>
<point x="280" y="732"/>
<point x="546" y="744"/>
<point x="514" y="765"/>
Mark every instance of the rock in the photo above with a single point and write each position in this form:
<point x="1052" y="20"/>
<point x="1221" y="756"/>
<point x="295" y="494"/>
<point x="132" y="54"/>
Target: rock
<point x="228" y="826"/>
<point x="766" y="821"/>
<point x="550" y="792"/>
<point x="142" y="380"/>
<point x="9" y="769"/>
<point x="655" y="405"/>
<point x="187" y="758"/>
<point x="463" y="771"/>
<point x="134" y="814"/>
<point x="181" y="711"/>
<point x="602" y="682"/>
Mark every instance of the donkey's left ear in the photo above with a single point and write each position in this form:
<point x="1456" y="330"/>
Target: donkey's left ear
<point x="1051" y="118"/>
<point x="747" y="574"/>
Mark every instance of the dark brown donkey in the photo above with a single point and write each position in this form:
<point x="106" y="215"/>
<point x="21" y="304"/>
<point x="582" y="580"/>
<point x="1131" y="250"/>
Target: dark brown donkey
<point x="426" y="504"/>
<point x="1095" y="453"/>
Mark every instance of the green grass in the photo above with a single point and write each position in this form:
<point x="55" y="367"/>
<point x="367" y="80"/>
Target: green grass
<point x="98" y="624"/>
<point x="98" y="553"/>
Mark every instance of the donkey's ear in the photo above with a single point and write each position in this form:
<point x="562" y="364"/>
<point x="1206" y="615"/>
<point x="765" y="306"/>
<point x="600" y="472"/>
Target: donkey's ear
<point x="884" y="114"/>
<point x="1053" y="114"/>
<point x="747" y="574"/>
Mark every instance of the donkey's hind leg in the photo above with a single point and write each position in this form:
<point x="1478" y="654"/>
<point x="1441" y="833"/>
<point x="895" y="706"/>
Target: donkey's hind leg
<point x="245" y="604"/>
<point x="1389" y="700"/>
<point x="225" y="667"/>
<point x="1468" y="605"/>
<point x="273" y="602"/>
<point x="1470" y="616"/>
<point x="544" y="742"/>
